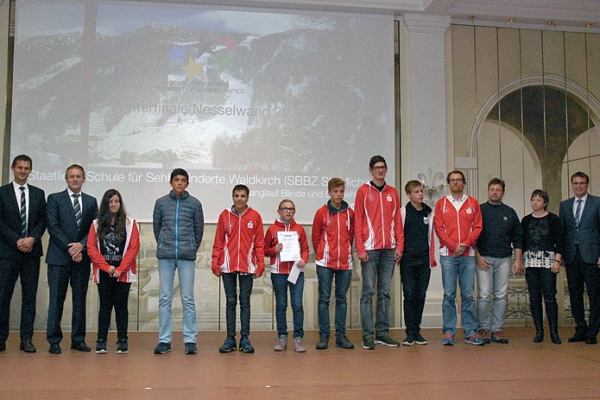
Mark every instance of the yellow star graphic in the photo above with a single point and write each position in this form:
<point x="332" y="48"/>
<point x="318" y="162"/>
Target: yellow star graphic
<point x="193" y="69"/>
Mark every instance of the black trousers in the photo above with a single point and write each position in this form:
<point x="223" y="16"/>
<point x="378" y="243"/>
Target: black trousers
<point x="27" y="267"/>
<point x="113" y="294"/>
<point x="579" y="274"/>
<point x="59" y="278"/>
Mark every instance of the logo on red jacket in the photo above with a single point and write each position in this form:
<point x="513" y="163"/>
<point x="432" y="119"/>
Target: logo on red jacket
<point x="250" y="225"/>
<point x="389" y="197"/>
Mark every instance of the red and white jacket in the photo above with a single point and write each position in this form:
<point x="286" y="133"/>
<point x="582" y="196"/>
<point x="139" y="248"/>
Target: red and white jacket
<point x="128" y="262"/>
<point x="430" y="238"/>
<point x="271" y="240"/>
<point x="332" y="235"/>
<point x="377" y="219"/>
<point x="239" y="243"/>
<point x="454" y="227"/>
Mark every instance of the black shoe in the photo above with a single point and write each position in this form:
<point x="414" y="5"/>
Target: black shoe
<point x="539" y="337"/>
<point x="55" y="348"/>
<point x="81" y="346"/>
<point x="122" y="347"/>
<point x="591" y="340"/>
<point x="554" y="337"/>
<point x="580" y="336"/>
<point x="2" y="346"/>
<point x="27" y="346"/>
<point x="162" y="348"/>
<point x="101" y="347"/>
<point x="344" y="343"/>
<point x="323" y="342"/>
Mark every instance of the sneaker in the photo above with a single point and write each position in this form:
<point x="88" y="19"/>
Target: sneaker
<point x="484" y="335"/>
<point x="228" y="346"/>
<point x="420" y="339"/>
<point x="245" y="345"/>
<point x="190" y="348"/>
<point x="162" y="348"/>
<point x="368" y="343"/>
<point x="409" y="341"/>
<point x="323" y="342"/>
<point x="343" y="342"/>
<point x="387" y="341"/>
<point x="122" y="347"/>
<point x="299" y="345"/>
<point x="281" y="343"/>
<point x="448" y="339"/>
<point x="101" y="348"/>
<point x="498" y="337"/>
<point x="474" y="339"/>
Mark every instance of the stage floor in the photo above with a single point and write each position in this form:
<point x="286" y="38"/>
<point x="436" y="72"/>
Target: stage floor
<point x="518" y="370"/>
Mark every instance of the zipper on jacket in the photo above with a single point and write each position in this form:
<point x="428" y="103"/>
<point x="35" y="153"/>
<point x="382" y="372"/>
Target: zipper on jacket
<point x="177" y="230"/>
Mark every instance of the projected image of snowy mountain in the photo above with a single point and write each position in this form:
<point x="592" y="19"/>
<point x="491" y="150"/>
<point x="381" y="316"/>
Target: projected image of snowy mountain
<point x="210" y="99"/>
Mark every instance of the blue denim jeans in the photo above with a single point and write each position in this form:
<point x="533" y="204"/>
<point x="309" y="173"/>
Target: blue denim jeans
<point x="342" y="284"/>
<point x="415" y="281"/>
<point x="280" y="287"/>
<point x="166" y="273"/>
<point x="461" y="269"/>
<point x="380" y="268"/>
<point x="230" y="281"/>
<point x="492" y="283"/>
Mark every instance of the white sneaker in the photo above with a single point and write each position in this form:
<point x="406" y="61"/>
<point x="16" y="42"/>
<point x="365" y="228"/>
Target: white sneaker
<point x="299" y="345"/>
<point x="281" y="343"/>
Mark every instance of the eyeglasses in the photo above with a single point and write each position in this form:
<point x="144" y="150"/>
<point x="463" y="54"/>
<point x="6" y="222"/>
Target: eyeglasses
<point x="287" y="209"/>
<point x="457" y="180"/>
<point x="379" y="167"/>
<point x="578" y="183"/>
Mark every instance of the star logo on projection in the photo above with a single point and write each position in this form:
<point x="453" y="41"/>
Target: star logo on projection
<point x="230" y="44"/>
<point x="194" y="69"/>
<point x="223" y="62"/>
<point x="176" y="54"/>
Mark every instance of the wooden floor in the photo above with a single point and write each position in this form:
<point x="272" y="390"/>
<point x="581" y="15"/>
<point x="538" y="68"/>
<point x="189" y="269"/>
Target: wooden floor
<point x="518" y="370"/>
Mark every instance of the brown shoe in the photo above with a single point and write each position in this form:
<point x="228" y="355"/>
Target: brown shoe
<point x="27" y="346"/>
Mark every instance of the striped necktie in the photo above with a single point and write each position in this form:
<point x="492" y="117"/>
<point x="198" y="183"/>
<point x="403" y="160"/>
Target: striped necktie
<point x="578" y="212"/>
<point x="23" y="213"/>
<point x="77" y="209"/>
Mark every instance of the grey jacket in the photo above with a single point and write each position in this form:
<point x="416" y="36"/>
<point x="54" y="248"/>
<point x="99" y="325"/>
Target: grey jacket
<point x="178" y="226"/>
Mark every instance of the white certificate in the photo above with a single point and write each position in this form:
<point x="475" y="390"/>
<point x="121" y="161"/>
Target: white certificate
<point x="294" y="273"/>
<point x="291" y="246"/>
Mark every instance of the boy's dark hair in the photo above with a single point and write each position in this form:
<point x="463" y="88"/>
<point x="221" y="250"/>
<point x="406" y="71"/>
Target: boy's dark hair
<point x="238" y="188"/>
<point x="455" y="172"/>
<point x="179" y="171"/>
<point x="411" y="185"/>
<point x="79" y="167"/>
<point x="543" y="195"/>
<point x="580" y="174"/>
<point x="22" y="157"/>
<point x="335" y="182"/>
<point x="497" y="181"/>
<point x="375" y="159"/>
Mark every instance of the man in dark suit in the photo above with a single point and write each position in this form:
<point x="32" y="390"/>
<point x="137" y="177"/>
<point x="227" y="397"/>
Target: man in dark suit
<point x="22" y="224"/>
<point x="580" y="218"/>
<point x="69" y="214"/>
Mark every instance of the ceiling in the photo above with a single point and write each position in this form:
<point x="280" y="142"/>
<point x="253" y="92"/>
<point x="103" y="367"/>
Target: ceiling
<point x="564" y="15"/>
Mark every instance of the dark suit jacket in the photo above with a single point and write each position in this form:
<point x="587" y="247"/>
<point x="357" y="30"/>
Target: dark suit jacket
<point x="586" y="235"/>
<point x="62" y="226"/>
<point x="10" y="220"/>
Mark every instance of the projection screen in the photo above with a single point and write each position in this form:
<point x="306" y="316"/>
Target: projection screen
<point x="278" y="100"/>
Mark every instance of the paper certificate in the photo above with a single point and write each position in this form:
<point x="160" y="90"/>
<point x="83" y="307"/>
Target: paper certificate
<point x="294" y="273"/>
<point x="291" y="246"/>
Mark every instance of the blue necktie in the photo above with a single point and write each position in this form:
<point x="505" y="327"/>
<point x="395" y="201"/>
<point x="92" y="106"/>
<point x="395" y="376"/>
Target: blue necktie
<point x="578" y="212"/>
<point x="23" y="213"/>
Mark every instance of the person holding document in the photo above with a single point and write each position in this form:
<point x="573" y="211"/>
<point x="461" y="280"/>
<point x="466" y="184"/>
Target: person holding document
<point x="287" y="245"/>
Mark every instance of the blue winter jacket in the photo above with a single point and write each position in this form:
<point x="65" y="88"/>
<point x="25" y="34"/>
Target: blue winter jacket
<point x="178" y="226"/>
